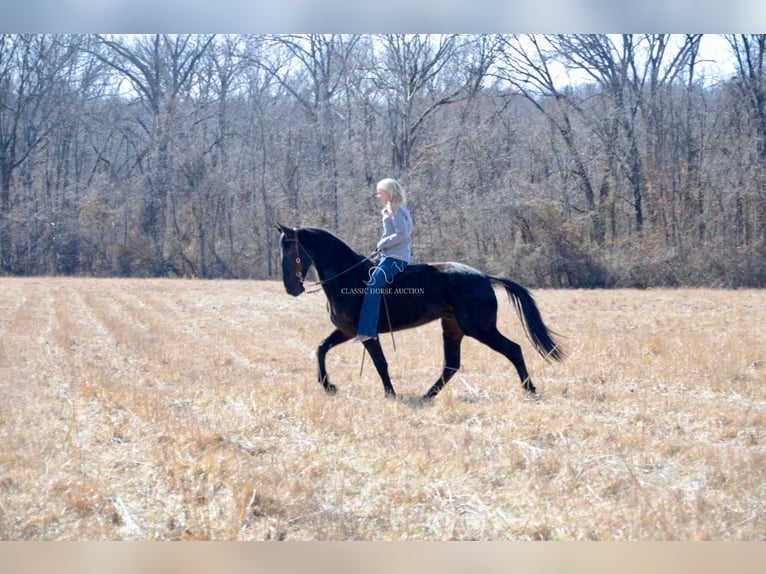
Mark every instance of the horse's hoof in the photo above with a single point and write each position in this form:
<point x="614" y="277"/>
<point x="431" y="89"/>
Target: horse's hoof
<point x="531" y="394"/>
<point x="390" y="394"/>
<point x="331" y="389"/>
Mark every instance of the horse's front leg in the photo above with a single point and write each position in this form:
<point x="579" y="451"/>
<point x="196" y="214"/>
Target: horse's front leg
<point x="335" y="338"/>
<point x="381" y="365"/>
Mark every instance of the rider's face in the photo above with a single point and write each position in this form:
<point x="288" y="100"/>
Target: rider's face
<point x="382" y="195"/>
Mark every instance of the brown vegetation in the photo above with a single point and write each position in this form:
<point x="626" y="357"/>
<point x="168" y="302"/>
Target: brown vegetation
<point x="159" y="409"/>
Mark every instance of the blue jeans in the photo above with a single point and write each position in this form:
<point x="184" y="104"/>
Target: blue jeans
<point x="382" y="275"/>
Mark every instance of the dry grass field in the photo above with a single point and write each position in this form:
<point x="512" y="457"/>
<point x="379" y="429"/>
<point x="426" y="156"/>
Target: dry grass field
<point x="165" y="410"/>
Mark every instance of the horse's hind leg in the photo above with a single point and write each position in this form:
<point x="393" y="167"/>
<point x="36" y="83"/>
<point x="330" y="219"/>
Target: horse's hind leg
<point x="498" y="342"/>
<point x="381" y="365"/>
<point x="335" y="338"/>
<point x="452" y="335"/>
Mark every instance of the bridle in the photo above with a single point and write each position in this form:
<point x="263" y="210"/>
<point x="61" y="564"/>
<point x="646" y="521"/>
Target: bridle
<point x="298" y="262"/>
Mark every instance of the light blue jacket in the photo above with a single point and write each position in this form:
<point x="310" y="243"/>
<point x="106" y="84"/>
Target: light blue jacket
<point x="396" y="240"/>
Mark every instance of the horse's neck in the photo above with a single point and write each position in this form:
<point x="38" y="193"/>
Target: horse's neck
<point x="332" y="257"/>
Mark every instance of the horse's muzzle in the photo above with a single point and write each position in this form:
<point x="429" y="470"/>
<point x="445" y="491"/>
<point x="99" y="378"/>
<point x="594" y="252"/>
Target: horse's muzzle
<point x="295" y="289"/>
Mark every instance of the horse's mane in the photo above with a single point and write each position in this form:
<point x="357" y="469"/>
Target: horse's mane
<point x="312" y="236"/>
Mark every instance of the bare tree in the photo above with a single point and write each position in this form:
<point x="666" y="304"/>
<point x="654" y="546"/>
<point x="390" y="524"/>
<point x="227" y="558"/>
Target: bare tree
<point x="314" y="72"/>
<point x="527" y="63"/>
<point x="160" y="69"/>
<point x="629" y="72"/>
<point x="632" y="72"/>
<point x="31" y="84"/>
<point x="750" y="54"/>
<point x="417" y="75"/>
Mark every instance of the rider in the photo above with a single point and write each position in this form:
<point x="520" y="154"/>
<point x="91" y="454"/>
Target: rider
<point x="394" y="249"/>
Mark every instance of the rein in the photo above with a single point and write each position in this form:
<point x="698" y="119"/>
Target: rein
<point x="299" y="263"/>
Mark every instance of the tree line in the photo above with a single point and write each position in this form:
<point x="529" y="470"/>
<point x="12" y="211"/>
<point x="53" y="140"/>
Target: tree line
<point x="174" y="155"/>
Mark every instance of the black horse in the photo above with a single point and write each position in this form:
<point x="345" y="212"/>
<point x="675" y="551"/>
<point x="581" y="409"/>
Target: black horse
<point x="461" y="296"/>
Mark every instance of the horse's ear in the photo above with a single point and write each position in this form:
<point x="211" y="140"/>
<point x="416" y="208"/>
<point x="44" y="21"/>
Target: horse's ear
<point x="282" y="229"/>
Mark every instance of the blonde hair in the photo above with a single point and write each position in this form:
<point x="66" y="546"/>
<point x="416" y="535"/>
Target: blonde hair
<point x="396" y="195"/>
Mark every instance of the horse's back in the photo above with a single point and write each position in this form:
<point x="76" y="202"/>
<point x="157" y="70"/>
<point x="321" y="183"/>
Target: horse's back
<point x="447" y="279"/>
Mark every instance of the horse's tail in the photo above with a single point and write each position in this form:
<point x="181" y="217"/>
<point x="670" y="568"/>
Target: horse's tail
<point x="526" y="308"/>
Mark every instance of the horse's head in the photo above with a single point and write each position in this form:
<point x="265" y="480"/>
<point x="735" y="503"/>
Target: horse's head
<point x="295" y="260"/>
